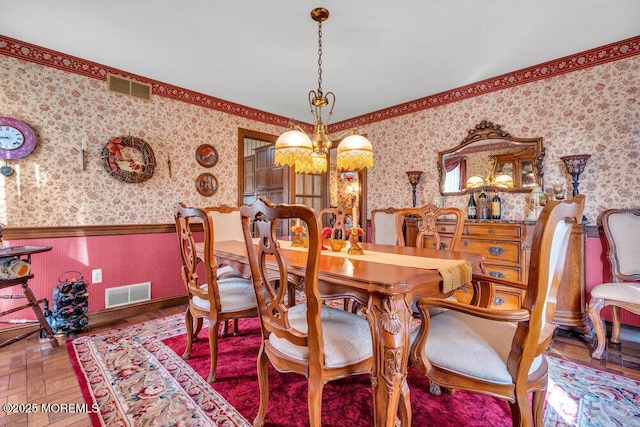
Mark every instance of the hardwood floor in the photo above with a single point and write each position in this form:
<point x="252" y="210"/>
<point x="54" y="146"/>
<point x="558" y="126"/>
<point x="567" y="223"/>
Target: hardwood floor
<point x="31" y="372"/>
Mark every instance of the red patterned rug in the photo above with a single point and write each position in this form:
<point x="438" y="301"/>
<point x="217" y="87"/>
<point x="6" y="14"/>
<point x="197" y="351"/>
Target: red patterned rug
<point x="137" y="377"/>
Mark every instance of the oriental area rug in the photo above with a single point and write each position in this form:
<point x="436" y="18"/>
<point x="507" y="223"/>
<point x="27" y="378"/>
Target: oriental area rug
<point x="137" y="377"/>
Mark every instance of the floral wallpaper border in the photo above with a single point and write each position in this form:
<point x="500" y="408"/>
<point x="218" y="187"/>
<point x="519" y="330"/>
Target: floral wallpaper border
<point x="597" y="56"/>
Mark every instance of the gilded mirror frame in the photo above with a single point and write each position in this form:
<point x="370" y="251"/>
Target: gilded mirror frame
<point x="490" y="138"/>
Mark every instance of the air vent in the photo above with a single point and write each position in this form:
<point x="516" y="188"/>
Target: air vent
<point x="129" y="87"/>
<point x="123" y="295"/>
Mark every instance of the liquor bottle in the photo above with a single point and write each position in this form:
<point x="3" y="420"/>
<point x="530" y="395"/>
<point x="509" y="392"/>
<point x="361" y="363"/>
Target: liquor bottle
<point x="471" y="207"/>
<point x="496" y="206"/>
<point x="484" y="212"/>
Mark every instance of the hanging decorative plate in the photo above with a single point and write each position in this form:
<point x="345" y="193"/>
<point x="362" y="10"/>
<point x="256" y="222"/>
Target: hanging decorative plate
<point x="128" y="159"/>
<point x="207" y="155"/>
<point x="206" y="184"/>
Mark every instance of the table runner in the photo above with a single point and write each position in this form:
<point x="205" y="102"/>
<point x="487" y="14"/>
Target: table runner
<point x="454" y="272"/>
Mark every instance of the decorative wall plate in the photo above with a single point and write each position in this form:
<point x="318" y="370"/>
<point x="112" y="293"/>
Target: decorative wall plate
<point x="128" y="159"/>
<point x="207" y="155"/>
<point x="206" y="184"/>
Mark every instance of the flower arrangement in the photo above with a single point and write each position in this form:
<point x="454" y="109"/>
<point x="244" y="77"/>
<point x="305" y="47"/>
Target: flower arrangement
<point x="356" y="231"/>
<point x="298" y="229"/>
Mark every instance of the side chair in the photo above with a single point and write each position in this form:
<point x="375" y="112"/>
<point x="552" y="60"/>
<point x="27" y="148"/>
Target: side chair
<point x="339" y="214"/>
<point x="217" y="300"/>
<point x="312" y="339"/>
<point x="500" y="352"/>
<point x="383" y="224"/>
<point x="622" y="234"/>
<point x="427" y="230"/>
<point x="228" y="227"/>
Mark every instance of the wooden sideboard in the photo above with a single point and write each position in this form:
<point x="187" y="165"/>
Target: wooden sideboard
<point x="506" y="245"/>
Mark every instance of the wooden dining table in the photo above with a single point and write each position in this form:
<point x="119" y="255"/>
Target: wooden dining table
<point x="385" y="290"/>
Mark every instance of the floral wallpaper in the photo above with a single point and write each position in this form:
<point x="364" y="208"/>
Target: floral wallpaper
<point x="66" y="110"/>
<point x="593" y="110"/>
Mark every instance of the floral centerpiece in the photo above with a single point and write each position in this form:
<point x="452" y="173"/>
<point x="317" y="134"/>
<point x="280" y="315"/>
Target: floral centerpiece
<point x="297" y="233"/>
<point x="354" y="239"/>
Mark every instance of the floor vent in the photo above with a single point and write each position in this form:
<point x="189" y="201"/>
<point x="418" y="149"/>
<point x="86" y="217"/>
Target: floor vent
<point x="123" y="295"/>
<point x="129" y="87"/>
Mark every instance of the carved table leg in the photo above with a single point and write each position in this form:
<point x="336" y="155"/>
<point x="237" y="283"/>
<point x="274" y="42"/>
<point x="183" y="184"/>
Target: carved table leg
<point x="595" y="306"/>
<point x="390" y="320"/>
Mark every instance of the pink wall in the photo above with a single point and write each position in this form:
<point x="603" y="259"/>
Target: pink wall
<point x="124" y="260"/>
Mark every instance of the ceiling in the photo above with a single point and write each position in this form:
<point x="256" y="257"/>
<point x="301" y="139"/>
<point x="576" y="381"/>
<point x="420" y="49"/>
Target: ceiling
<point x="264" y="54"/>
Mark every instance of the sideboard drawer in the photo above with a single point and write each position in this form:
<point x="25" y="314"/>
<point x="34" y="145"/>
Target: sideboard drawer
<point x="496" y="230"/>
<point x="504" y="251"/>
<point x="504" y="272"/>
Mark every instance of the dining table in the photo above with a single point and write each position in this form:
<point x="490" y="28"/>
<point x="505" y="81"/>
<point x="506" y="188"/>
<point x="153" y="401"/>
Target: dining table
<point x="385" y="280"/>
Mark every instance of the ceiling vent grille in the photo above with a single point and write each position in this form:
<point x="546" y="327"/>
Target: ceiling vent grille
<point x="129" y="87"/>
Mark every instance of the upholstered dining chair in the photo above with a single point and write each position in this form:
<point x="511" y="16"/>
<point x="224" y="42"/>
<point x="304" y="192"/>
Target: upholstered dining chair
<point x="427" y="229"/>
<point x="500" y="352"/>
<point x="217" y="300"/>
<point x="622" y="234"/>
<point x="383" y="225"/>
<point x="312" y="339"/>
<point x="228" y="227"/>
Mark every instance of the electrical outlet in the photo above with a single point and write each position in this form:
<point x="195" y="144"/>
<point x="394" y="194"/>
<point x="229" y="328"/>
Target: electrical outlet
<point x="96" y="276"/>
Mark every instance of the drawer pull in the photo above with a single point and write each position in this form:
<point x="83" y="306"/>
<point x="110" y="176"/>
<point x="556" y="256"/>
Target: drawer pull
<point x="443" y="246"/>
<point x="443" y="229"/>
<point x="497" y="274"/>
<point x="465" y="243"/>
<point x="491" y="231"/>
<point x="497" y="301"/>
<point x="495" y="250"/>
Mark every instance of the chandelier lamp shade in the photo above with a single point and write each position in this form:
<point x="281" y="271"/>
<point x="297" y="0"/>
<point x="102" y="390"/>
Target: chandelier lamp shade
<point x="308" y="153"/>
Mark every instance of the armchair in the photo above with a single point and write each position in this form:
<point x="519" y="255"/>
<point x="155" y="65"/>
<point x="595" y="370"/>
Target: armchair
<point x="500" y="352"/>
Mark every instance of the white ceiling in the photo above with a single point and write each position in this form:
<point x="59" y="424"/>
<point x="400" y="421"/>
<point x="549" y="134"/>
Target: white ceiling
<point x="376" y="53"/>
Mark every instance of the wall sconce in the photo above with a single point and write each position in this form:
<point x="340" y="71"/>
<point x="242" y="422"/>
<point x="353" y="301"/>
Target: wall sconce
<point x="575" y="166"/>
<point x="414" y="178"/>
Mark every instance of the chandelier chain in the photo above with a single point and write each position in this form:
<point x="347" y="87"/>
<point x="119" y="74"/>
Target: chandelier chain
<point x="320" y="58"/>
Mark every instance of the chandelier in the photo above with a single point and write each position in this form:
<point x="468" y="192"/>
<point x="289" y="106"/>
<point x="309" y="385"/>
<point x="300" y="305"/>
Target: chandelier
<point x="308" y="154"/>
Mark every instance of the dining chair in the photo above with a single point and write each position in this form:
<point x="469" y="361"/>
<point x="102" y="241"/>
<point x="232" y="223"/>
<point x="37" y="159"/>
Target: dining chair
<point x="337" y="221"/>
<point x="217" y="300"/>
<point x="500" y="352"/>
<point x="311" y="338"/>
<point x="622" y="234"/>
<point x="428" y="231"/>
<point x="383" y="225"/>
<point x="228" y="227"/>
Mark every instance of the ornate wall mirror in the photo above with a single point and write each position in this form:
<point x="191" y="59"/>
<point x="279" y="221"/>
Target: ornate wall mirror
<point x="490" y="157"/>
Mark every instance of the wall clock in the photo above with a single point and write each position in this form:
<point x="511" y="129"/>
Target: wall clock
<point x="17" y="140"/>
<point x="207" y="155"/>
<point x="206" y="184"/>
<point x="128" y="159"/>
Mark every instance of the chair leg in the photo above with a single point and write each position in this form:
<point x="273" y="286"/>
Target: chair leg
<point x="615" y="332"/>
<point x="213" y="349"/>
<point x="538" y="406"/>
<point x="263" y="382"/>
<point x="595" y="306"/>
<point x="188" y="323"/>
<point x="315" y="401"/>
<point x="521" y="413"/>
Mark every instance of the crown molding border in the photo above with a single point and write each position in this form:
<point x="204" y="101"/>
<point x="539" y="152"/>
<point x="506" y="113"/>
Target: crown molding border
<point x="61" y="61"/>
<point x="576" y="62"/>
<point x="579" y="61"/>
